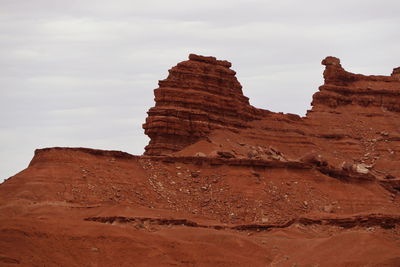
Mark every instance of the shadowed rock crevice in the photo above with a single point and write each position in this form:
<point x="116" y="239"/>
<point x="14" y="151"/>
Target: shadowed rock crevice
<point x="367" y="220"/>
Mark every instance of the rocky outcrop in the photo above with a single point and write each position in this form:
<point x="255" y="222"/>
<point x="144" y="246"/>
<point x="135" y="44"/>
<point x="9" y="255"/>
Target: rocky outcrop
<point x="202" y="94"/>
<point x="199" y="95"/>
<point x="201" y="99"/>
<point x="342" y="88"/>
<point x="396" y="73"/>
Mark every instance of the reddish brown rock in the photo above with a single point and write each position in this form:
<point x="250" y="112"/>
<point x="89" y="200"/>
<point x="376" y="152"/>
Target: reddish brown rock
<point x="223" y="183"/>
<point x="202" y="95"/>
<point x="396" y="73"/>
<point x="198" y="96"/>
<point x="343" y="88"/>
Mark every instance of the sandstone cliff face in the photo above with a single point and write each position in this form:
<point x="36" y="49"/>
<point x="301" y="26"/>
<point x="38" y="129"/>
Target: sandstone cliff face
<point x="198" y="96"/>
<point x="343" y="88"/>
<point x="202" y="95"/>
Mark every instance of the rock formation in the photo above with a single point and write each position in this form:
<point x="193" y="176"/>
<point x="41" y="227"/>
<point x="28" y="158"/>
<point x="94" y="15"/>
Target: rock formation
<point x="343" y="88"/>
<point x="199" y="95"/>
<point x="222" y="183"/>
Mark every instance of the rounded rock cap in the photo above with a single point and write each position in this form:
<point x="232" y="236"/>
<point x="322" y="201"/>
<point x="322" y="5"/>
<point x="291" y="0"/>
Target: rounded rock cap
<point x="331" y="61"/>
<point x="210" y="60"/>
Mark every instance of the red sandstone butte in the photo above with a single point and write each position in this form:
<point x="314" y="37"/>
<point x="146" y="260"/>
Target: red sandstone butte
<point x="222" y="183"/>
<point x="199" y="95"/>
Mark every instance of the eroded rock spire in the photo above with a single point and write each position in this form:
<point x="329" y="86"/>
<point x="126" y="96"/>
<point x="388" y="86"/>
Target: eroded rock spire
<point x="199" y="95"/>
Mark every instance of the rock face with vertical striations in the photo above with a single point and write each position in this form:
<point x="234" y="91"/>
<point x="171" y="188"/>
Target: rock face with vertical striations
<point x="199" y="95"/>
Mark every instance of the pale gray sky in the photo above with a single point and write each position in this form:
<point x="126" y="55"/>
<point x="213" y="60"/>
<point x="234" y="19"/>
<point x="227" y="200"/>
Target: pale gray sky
<point x="82" y="73"/>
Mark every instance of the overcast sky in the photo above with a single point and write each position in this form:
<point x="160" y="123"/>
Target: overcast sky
<point x="82" y="73"/>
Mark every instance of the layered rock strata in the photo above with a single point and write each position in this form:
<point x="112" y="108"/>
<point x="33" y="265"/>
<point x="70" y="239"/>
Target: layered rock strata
<point x="199" y="95"/>
<point x="327" y="180"/>
<point x="343" y="88"/>
<point x="202" y="95"/>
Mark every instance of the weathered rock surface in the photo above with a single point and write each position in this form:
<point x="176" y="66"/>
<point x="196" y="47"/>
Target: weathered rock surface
<point x="198" y="96"/>
<point x="222" y="183"/>
<point x="343" y="88"/>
